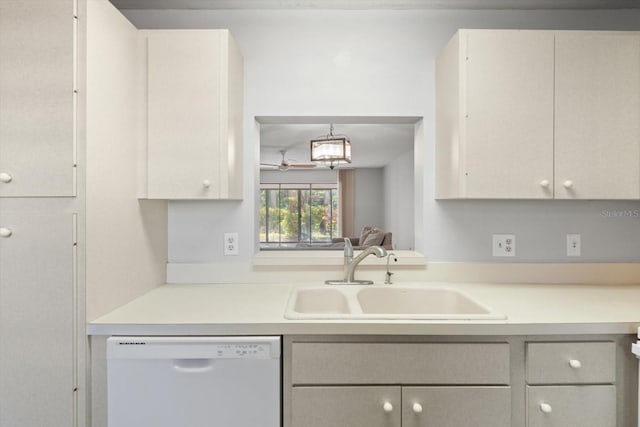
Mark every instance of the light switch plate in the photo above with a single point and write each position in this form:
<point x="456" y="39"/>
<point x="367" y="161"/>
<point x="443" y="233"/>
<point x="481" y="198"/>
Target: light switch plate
<point x="574" y="245"/>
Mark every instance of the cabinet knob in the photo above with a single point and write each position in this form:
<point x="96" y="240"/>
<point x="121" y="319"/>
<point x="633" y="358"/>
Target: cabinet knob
<point x="546" y="408"/>
<point x="575" y="364"/>
<point x="5" y="232"/>
<point x="5" y="177"/>
<point x="544" y="183"/>
<point x="568" y="184"/>
<point x="206" y="183"/>
<point x="388" y="407"/>
<point x="417" y="408"/>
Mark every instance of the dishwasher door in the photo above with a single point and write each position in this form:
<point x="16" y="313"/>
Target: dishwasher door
<point x="635" y="349"/>
<point x="193" y="381"/>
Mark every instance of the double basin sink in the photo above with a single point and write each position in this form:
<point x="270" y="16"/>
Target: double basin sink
<point x="385" y="302"/>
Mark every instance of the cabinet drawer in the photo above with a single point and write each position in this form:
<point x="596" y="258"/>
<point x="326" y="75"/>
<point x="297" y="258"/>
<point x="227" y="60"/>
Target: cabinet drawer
<point x="400" y="363"/>
<point x="571" y="363"/>
<point x="455" y="406"/>
<point x="569" y="406"/>
<point x="345" y="406"/>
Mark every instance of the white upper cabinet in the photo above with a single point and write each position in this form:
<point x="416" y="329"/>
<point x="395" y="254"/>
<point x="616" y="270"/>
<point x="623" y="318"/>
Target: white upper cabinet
<point x="37" y="114"/>
<point x="526" y="114"/>
<point x="194" y="122"/>
<point x="495" y="115"/>
<point x="597" y="130"/>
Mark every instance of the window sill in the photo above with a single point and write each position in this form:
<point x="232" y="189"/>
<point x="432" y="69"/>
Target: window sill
<point x="336" y="257"/>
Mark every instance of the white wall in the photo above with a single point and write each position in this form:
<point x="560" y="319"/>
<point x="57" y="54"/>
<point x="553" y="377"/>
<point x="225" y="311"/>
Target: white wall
<point x="398" y="200"/>
<point x="381" y="63"/>
<point x="324" y="176"/>
<point x="126" y="251"/>
<point x="369" y="198"/>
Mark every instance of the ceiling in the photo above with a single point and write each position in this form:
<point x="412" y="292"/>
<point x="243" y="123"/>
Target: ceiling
<point x="377" y="4"/>
<point x="372" y="145"/>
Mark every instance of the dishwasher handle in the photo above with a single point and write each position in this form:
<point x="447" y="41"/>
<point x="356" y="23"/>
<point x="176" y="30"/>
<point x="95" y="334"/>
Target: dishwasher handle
<point x="192" y="365"/>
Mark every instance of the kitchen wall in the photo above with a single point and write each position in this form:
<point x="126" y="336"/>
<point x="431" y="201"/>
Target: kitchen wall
<point x="398" y="200"/>
<point x="368" y="198"/>
<point x="381" y="63"/>
<point x="316" y="176"/>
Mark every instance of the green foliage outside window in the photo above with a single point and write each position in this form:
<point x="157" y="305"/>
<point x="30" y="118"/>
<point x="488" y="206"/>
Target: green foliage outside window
<point x="295" y="215"/>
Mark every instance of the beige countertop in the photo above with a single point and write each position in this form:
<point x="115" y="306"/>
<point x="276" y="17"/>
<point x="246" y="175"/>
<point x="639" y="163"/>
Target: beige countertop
<point x="258" y="309"/>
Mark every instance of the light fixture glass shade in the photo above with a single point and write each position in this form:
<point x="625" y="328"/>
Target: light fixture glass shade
<point x="331" y="151"/>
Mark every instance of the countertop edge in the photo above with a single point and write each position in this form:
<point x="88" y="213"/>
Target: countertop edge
<point x="368" y="328"/>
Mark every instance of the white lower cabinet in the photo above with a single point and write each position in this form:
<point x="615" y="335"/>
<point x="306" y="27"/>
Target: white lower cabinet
<point x="571" y="384"/>
<point x="357" y="406"/>
<point x="493" y="381"/>
<point x="456" y="406"/>
<point x="362" y="406"/>
<point x="394" y="384"/>
<point x="571" y="406"/>
<point x="37" y="314"/>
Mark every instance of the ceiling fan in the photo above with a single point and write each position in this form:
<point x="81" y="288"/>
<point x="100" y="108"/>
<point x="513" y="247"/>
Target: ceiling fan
<point x="287" y="164"/>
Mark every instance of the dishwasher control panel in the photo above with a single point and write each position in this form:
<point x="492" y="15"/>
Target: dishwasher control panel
<point x="193" y="347"/>
<point x="243" y="351"/>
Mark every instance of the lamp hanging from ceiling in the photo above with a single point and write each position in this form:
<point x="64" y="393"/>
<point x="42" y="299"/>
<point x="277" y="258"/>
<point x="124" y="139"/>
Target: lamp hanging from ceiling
<point x="331" y="150"/>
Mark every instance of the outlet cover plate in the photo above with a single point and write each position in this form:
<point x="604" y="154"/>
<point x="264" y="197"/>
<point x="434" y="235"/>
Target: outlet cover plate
<point x="504" y="245"/>
<point x="231" y="244"/>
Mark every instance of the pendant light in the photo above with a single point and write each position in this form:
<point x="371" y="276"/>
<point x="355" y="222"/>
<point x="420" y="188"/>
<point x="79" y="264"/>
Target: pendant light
<point x="331" y="150"/>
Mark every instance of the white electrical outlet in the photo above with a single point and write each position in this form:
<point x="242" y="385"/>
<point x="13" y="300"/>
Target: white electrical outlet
<point x="573" y="245"/>
<point x="504" y="245"/>
<point x="230" y="244"/>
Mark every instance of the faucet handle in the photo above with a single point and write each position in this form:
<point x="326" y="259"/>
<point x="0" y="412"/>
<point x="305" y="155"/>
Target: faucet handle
<point x="348" y="248"/>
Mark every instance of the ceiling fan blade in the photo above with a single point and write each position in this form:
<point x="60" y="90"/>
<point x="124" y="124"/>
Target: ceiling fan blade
<point x="275" y="165"/>
<point x="302" y="165"/>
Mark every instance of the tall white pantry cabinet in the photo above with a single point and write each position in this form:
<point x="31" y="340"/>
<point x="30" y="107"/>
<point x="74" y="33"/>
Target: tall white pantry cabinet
<point x="67" y="158"/>
<point x="39" y="366"/>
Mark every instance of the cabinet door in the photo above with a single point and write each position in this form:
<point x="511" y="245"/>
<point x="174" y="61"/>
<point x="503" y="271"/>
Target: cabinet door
<point x="571" y="406"/>
<point x="345" y="407"/>
<point x="36" y="320"/>
<point x="507" y="111"/>
<point x="456" y="406"/>
<point x="597" y="108"/>
<point x="36" y="98"/>
<point x="184" y="102"/>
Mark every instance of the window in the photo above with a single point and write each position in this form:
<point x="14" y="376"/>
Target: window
<point x="298" y="214"/>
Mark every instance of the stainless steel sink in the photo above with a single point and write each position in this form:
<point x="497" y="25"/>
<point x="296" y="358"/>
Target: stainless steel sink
<point x="417" y="302"/>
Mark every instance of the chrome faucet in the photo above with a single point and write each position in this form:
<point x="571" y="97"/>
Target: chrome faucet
<point x="350" y="263"/>
<point x="387" y="277"/>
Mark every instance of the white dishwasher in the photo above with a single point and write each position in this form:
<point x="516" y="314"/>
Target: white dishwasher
<point x="193" y="381"/>
<point x="635" y="349"/>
